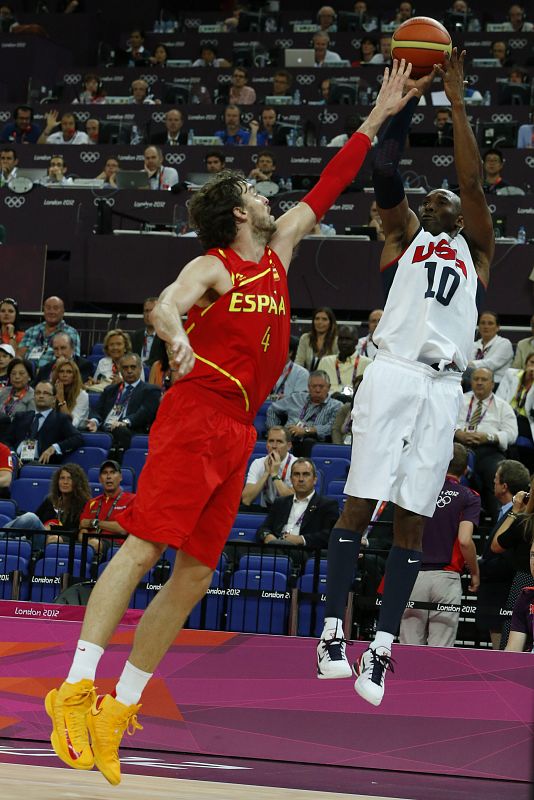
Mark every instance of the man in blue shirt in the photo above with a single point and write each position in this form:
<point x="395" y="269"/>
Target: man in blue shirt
<point x="233" y="133"/>
<point x="37" y="345"/>
<point x="22" y="130"/>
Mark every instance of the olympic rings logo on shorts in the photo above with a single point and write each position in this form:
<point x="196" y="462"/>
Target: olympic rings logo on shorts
<point x="14" y="202"/>
<point x="150" y="79"/>
<point x="109" y="201"/>
<point x="517" y="44"/>
<point x="71" y="79"/>
<point x="89" y="156"/>
<point x="501" y="118"/>
<point x="442" y="161"/>
<point x="4" y="115"/>
<point x="305" y="80"/>
<point x="82" y="115"/>
<point x="224" y="78"/>
<point x="529" y="161"/>
<point x="158" y="116"/>
<point x="492" y="208"/>
<point x="285" y="205"/>
<point x="443" y="501"/>
<point x="175" y="158"/>
<point x="283" y="43"/>
<point x="328" y="117"/>
<point x="418" y="118"/>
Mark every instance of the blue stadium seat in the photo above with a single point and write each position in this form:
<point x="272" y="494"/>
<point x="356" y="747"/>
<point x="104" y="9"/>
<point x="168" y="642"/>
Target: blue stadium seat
<point x="94" y="358"/>
<point x="127" y="480"/>
<point x="98" y="439"/>
<point x="304" y="618"/>
<point x="331" y="451"/>
<point x="8" y="564"/>
<point x="98" y="350"/>
<point x="16" y="547"/>
<point x="4" y="519"/>
<point x="336" y="487"/>
<point x="258" y="614"/>
<point x="260" y="449"/>
<point x="332" y="468"/>
<point x="87" y="457"/>
<point x="37" y="471"/>
<point x="29" y="493"/>
<point x="524" y="441"/>
<point x="249" y="520"/>
<point x="8" y="508"/>
<point x="60" y="551"/>
<point x="135" y="459"/>
<point x="139" y="441"/>
<point x="257" y="562"/>
<point x="240" y="534"/>
<point x="213" y="604"/>
<point x="47" y="579"/>
<point x="309" y="566"/>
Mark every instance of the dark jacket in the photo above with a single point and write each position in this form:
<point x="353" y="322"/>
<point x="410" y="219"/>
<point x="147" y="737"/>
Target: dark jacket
<point x="141" y="410"/>
<point x="138" y="340"/>
<point x="319" y="519"/>
<point x="161" y="138"/>
<point x="56" y="429"/>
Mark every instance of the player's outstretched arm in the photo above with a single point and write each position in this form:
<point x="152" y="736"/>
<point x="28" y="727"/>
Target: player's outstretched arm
<point x="343" y="168"/>
<point x="194" y="282"/>
<point x="476" y="214"/>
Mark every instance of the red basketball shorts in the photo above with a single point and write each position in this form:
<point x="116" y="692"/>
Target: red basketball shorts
<point x="190" y="488"/>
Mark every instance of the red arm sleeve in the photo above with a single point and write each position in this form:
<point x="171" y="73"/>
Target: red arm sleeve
<point x="338" y="174"/>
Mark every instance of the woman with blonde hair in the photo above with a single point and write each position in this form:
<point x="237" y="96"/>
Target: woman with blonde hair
<point x="71" y="397"/>
<point x="116" y="344"/>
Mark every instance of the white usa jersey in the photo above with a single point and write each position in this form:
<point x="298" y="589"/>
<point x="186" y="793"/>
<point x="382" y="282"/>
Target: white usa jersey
<point x="431" y="311"/>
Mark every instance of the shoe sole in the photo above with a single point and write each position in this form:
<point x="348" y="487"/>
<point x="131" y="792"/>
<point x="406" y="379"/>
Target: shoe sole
<point x="56" y="740"/>
<point x="112" y="780"/>
<point x="323" y="677"/>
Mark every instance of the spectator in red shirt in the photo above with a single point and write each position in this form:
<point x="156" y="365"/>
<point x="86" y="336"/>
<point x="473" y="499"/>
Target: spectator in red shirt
<point x="98" y="515"/>
<point x="6" y="470"/>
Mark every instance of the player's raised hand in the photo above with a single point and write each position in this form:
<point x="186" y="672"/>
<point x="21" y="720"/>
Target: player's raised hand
<point x="452" y="72"/>
<point x="181" y="355"/>
<point x="391" y="97"/>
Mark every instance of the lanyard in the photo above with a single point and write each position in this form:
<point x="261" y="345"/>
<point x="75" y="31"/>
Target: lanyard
<point x="521" y="394"/>
<point x="354" y="371"/>
<point x="469" y="410"/>
<point x="481" y="352"/>
<point x="363" y="349"/>
<point x="313" y="416"/>
<point x="285" y="375"/>
<point x="12" y="400"/>
<point x="111" y="510"/>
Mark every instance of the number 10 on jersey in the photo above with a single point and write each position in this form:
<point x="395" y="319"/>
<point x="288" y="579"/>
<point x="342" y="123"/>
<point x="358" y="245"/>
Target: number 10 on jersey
<point x="447" y="284"/>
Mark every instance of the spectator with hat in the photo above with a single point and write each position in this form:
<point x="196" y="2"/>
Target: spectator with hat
<point x="99" y="513"/>
<point x="7" y="354"/>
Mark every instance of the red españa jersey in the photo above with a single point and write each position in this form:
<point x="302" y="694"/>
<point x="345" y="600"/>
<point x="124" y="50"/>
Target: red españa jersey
<point x="241" y="340"/>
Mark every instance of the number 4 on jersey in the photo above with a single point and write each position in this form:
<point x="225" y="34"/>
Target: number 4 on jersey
<point x="445" y="291"/>
<point x="266" y="341"/>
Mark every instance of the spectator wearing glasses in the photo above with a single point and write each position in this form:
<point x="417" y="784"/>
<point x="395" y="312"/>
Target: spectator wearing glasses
<point x="9" y="322"/>
<point x="240" y="93"/>
<point x="23" y="130"/>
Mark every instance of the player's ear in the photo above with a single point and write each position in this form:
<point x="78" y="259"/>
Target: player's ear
<point x="240" y="214"/>
<point x="459" y="221"/>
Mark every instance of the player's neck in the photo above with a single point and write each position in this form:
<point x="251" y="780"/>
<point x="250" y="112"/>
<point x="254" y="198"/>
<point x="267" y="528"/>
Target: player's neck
<point x="247" y="246"/>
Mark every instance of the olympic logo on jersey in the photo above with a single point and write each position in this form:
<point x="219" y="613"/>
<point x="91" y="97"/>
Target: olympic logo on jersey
<point x="517" y="44"/>
<point x="150" y="79"/>
<point x="418" y="118"/>
<point x="89" y="156"/>
<point x="158" y="116"/>
<point x="443" y="501"/>
<point x="501" y="117"/>
<point x="109" y="201"/>
<point x="82" y="115"/>
<point x="305" y="80"/>
<point x="442" y="161"/>
<point x="529" y="161"/>
<point x="328" y="117"/>
<point x="283" y="43"/>
<point x="175" y="158"/>
<point x="4" y="115"/>
<point x="285" y="205"/>
<point x="71" y="79"/>
<point x="224" y="78"/>
<point x="14" y="202"/>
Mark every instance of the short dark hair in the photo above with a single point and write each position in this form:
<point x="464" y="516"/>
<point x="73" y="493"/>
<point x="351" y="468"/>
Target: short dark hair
<point x="215" y="154"/>
<point x="8" y="149"/>
<point x="302" y="460"/>
<point x="492" y="314"/>
<point x="23" y="107"/>
<point x="287" y="75"/>
<point x="515" y="475"/>
<point x="57" y="156"/>
<point x="493" y="152"/>
<point x="269" y="154"/>
<point x="211" y="210"/>
<point x="28" y="366"/>
<point x="458" y="463"/>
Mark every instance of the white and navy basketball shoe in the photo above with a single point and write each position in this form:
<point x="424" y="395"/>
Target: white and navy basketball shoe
<point x="331" y="659"/>
<point x="370" y="671"/>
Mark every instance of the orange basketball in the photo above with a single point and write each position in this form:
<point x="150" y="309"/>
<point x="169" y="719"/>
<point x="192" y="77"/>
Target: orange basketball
<point x="423" y="42"/>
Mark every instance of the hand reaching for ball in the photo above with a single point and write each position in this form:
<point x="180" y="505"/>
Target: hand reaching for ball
<point x="452" y="73"/>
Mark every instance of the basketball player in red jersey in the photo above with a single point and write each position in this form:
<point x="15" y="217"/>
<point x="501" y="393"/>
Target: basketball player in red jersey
<point x="230" y="354"/>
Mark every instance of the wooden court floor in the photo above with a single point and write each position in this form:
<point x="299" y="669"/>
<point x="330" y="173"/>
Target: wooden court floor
<point x="54" y="783"/>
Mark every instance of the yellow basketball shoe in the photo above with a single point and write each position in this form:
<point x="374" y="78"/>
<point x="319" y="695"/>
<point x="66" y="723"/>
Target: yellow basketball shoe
<point x="67" y="707"/>
<point x="107" y="721"/>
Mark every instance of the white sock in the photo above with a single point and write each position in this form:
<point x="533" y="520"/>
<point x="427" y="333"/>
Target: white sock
<point x="332" y="626"/>
<point x="85" y="662"/>
<point x="383" y="639"/>
<point x="131" y="684"/>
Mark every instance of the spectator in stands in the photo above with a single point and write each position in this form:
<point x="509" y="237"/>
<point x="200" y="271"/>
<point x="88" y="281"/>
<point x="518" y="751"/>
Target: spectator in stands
<point x="57" y="173"/>
<point x="523" y="349"/>
<point x="36" y="344"/>
<point x="17" y="396"/>
<point x="10" y="332"/>
<point x="8" y="22"/>
<point x="44" y="435"/>
<point x="325" y="90"/>
<point x="233" y="133"/>
<point x="345" y="368"/>
<point x="521" y="635"/>
<point x="351" y="125"/>
<point x="126" y="407"/>
<point x="323" y="55"/>
<point x="116" y="344"/>
<point x="448" y="548"/>
<point x="71" y="397"/>
<point x="294" y="378"/>
<point x="61" y="509"/>
<point x="8" y="165"/>
<point x="326" y="17"/>
<point x="68" y="133"/>
<point x="499" y="50"/>
<point x="525" y="136"/>
<point x="240" y="93"/>
<point x="320" y="341"/>
<point x="366" y="346"/>
<point x="493" y="162"/>
<point x="92" y="129"/>
<point x="174" y="133"/>
<point x="109" y="173"/>
<point x="281" y="87"/>
<point x="98" y="514"/>
<point x="7" y="354"/>
<point x="208" y="58"/>
<point x="404" y="12"/>
<point x="92" y="90"/>
<point x="143" y="339"/>
<point x="308" y="416"/>
<point x="367" y="22"/>
<point x="517" y="21"/>
<point x="367" y="53"/>
<point x="63" y="348"/>
<point x="215" y="161"/>
<point x="492" y="351"/>
<point x="515" y="388"/>
<point x="269" y="477"/>
<point x="383" y="54"/>
<point x="160" y="178"/>
<point x="486" y="425"/>
<point x="160" y="57"/>
<point x="141" y="94"/>
<point x="23" y="130"/>
<point x="469" y="22"/>
<point x="304" y="518"/>
<point x="6" y="472"/>
<point x="136" y="51"/>
<point x="265" y="168"/>
<point x="265" y="133"/>
<point x="443" y="125"/>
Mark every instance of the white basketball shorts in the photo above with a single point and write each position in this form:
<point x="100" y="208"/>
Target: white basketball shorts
<point x="403" y="425"/>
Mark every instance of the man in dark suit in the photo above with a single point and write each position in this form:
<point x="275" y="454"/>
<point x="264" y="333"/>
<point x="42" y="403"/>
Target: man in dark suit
<point x="63" y="347"/>
<point x="43" y="435"/>
<point x="173" y="134"/>
<point x="126" y="408"/>
<point x="145" y="342"/>
<point x="304" y="518"/>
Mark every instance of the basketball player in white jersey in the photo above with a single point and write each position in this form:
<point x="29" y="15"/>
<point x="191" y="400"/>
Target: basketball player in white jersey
<point x="406" y="408"/>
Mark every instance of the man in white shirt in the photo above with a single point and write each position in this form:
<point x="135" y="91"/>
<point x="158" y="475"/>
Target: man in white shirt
<point x="57" y="173"/>
<point x="491" y="351"/>
<point x="524" y="348"/>
<point x="486" y="425"/>
<point x="347" y="367"/>
<point x="366" y="346"/>
<point x="140" y="93"/>
<point x="68" y="133"/>
<point x="160" y="178"/>
<point x="269" y="477"/>
<point x="323" y="55"/>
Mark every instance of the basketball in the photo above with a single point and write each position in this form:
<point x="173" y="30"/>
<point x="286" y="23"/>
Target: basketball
<point x="423" y="42"/>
